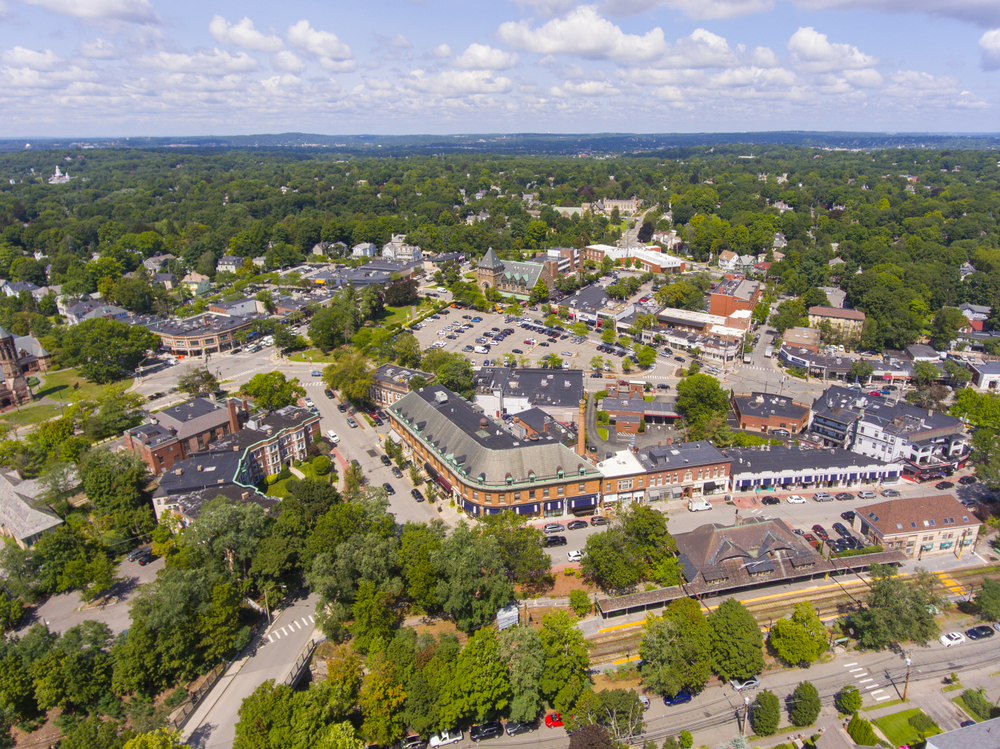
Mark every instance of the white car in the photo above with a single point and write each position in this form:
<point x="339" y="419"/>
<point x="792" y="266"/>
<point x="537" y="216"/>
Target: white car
<point x="446" y="737"/>
<point x="332" y="436"/>
<point x="574" y="556"/>
<point x="952" y="638"/>
<point x="309" y="403"/>
<point x="645" y="701"/>
<point x="795" y="499"/>
<point x="442" y="332"/>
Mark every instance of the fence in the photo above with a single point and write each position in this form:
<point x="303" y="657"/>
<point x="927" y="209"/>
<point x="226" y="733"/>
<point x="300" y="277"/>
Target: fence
<point x="180" y="716"/>
<point x="300" y="663"/>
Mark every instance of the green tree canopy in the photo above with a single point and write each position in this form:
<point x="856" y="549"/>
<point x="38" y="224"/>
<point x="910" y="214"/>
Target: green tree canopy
<point x="271" y="390"/>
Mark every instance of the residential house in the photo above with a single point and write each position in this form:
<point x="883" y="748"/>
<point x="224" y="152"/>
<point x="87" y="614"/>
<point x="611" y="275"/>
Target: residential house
<point x="229" y="264"/>
<point x="364" y="249"/>
<point x="920" y="526"/>
<point x="196" y="283"/>
<point x="21" y="518"/>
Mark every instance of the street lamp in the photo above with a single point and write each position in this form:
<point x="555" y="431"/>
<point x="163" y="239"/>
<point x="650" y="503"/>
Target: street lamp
<point x="746" y="714"/>
<point x="906" y="684"/>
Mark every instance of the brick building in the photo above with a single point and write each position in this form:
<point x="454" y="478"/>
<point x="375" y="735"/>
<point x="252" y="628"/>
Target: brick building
<point x="767" y="412"/>
<point x="392" y="382"/>
<point x="674" y="471"/>
<point x="734" y="293"/>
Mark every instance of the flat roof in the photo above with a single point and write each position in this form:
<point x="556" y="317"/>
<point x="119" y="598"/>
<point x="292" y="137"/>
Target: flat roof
<point x="765" y="405"/>
<point x="796" y="458"/>
<point x="846" y="314"/>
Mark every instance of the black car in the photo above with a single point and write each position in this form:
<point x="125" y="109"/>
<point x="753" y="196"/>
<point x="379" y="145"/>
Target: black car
<point x="342" y="408"/>
<point x="551" y="541"/>
<point x="575" y="525"/>
<point x="966" y="480"/>
<point x="397" y="473"/>
<point x="598" y="520"/>
<point x="146" y="559"/>
<point x="328" y="393"/>
<point x="517" y="727"/>
<point x="679" y="358"/>
<point x="388" y="488"/>
<point x="979" y="633"/>
<point x="137" y="554"/>
<point x="770" y="501"/>
<point x="491" y="729"/>
<point x="516" y="351"/>
<point x="386" y="461"/>
<point x="415" y="493"/>
<point x="848" y="516"/>
<point x="841" y="530"/>
<point x="943" y="485"/>
<point x="844" y="496"/>
<point x="596" y="375"/>
<point x="662" y="386"/>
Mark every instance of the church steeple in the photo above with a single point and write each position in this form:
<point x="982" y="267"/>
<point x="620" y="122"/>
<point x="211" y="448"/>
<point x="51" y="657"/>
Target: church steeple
<point x="490" y="261"/>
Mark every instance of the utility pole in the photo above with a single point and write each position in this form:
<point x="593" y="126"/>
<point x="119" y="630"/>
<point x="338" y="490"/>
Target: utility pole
<point x="746" y="715"/>
<point x="906" y="684"/>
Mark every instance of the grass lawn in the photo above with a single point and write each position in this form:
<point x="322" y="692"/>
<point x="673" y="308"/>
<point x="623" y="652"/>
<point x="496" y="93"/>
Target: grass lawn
<point x="59" y="386"/>
<point x="396" y="315"/>
<point x="31" y="415"/>
<point x="961" y="703"/>
<point x="280" y="489"/>
<point x="898" y="730"/>
<point x="311" y="354"/>
<point x="602" y="432"/>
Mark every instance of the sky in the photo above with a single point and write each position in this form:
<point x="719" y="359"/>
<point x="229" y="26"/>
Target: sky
<point x="116" y="68"/>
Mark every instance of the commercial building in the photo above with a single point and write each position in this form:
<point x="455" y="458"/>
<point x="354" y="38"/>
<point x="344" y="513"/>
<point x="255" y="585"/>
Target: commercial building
<point x="678" y="471"/>
<point x="791" y="468"/>
<point x="585" y="304"/>
<point x="505" y="390"/>
<point x="516" y="279"/>
<point x="985" y="374"/>
<point x="920" y="526"/>
<point x="206" y="333"/>
<point x="484" y="468"/>
<point x="848" y="321"/>
<point x="534" y="425"/>
<point x="178" y="432"/>
<point x="651" y="260"/>
<point x="391" y="382"/>
<point x="767" y="412"/>
<point x="627" y="414"/>
<point x="237" y="307"/>
<point x="732" y="294"/>
<point x="803" y="338"/>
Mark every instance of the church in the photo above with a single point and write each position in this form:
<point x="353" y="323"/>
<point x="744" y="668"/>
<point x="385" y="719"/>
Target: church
<point x="516" y="279"/>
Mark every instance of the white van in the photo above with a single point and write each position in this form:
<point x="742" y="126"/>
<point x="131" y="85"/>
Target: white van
<point x="482" y="349"/>
<point x="697" y="505"/>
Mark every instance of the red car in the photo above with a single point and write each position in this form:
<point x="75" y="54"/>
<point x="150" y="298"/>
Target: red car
<point x="875" y="393"/>
<point x="819" y="531"/>
<point x="553" y="720"/>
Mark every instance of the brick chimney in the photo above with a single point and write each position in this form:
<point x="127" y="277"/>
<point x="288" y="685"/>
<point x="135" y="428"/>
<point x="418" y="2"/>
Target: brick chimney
<point x="581" y="435"/>
<point x="234" y="415"/>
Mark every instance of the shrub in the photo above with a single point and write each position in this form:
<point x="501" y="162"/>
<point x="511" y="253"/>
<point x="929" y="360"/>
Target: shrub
<point x="861" y="731"/>
<point x="849" y="699"/>
<point x="579" y="601"/>
<point x="805" y="705"/>
<point x="977" y="704"/>
<point x="921" y="723"/>
<point x="283" y="474"/>
<point x="765" y="713"/>
<point x="321" y="465"/>
<point x="687" y="740"/>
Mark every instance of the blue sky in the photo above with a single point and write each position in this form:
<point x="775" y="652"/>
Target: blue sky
<point x="90" y="68"/>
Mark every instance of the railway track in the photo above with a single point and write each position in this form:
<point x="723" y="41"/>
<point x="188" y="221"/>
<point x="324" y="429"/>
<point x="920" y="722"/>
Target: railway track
<point x="832" y="599"/>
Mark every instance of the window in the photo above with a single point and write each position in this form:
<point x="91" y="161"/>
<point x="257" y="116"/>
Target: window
<point x="488" y="497"/>
<point x="624" y="484"/>
<point x="561" y="490"/>
<point x="475" y="496"/>
<point x="583" y="488"/>
<point x="607" y="487"/>
<point x="517" y="496"/>
<point x="531" y="494"/>
<point x="545" y="492"/>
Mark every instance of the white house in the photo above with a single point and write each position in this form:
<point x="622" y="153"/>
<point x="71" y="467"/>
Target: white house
<point x="365" y="249"/>
<point x="397" y="249"/>
<point x="229" y="264"/>
<point x="728" y="260"/>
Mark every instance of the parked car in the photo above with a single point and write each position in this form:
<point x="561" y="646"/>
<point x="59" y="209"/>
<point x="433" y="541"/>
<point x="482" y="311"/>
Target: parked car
<point x="332" y="436"/>
<point x="388" y="488"/>
<point x="491" y="729"/>
<point x="452" y="736"/>
<point x="574" y="556"/>
<point x="841" y="531"/>
<point x="741" y="685"/>
<point x="328" y="393"/>
<point x="146" y="558"/>
<point x="821" y="532"/>
<point x="981" y="632"/>
<point x="848" y="516"/>
<point x="868" y="494"/>
<point x="551" y="541"/>
<point x="942" y="485"/>
<point x="769" y="500"/>
<point x="678" y="699"/>
<point x="413" y="741"/>
<point x="309" y="403"/>
<point x="342" y="408"/>
<point x="415" y="493"/>
<point x="553" y="720"/>
<point x="136" y="554"/>
<point x="396" y="472"/>
<point x="352" y="423"/>
<point x="386" y="460"/>
<point x="952" y="638"/>
<point x="844" y="496"/>
<point x="822" y="497"/>
<point x="967" y="480"/>
<point x="517" y="727"/>
<point x="553" y="528"/>
<point x="795" y="499"/>
<point x="598" y="520"/>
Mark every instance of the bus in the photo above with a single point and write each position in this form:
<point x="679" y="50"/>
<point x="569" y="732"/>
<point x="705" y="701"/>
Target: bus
<point x="769" y="352"/>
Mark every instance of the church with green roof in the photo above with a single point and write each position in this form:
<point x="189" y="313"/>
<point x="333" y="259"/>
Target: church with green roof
<point x="516" y="279"/>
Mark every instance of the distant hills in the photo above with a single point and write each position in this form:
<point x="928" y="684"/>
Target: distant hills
<point x="591" y="144"/>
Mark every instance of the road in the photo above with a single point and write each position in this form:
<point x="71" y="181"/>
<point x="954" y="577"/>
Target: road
<point x="213" y="724"/>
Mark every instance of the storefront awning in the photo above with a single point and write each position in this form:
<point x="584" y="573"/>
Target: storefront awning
<point x="470" y="507"/>
<point x="788" y="480"/>
<point x="526" y="509"/>
<point x="709" y="486"/>
<point x="588" y="500"/>
<point x="557" y="505"/>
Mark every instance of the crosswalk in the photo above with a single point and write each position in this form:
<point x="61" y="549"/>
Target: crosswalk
<point x="950" y="584"/>
<point x="866" y="682"/>
<point x="297" y="624"/>
<point x="249" y="372"/>
<point x="313" y="384"/>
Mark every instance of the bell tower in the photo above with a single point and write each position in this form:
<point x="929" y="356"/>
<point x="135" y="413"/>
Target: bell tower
<point x="489" y="270"/>
<point x="14" y="378"/>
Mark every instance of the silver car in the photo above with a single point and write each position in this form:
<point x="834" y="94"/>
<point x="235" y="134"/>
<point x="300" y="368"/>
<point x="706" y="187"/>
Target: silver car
<point x="553" y="528"/>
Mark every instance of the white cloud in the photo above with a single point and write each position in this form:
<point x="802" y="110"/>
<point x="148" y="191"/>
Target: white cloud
<point x="584" y="33"/>
<point x="763" y="57"/>
<point x="814" y="54"/>
<point x="98" y="49"/>
<point x="213" y="63"/>
<point x="702" y="49"/>
<point x="25" y="78"/>
<point x="752" y="77"/>
<point x="916" y="85"/>
<point x="319" y="43"/>
<point x="990" y="44"/>
<point x="19" y="57"/>
<point x="442" y="50"/>
<point x="696" y="9"/>
<point x="378" y="84"/>
<point x="548" y="8"/>
<point x="863" y="78"/>
<point x="242" y="34"/>
<point x="135" y="11"/>
<point x="585" y="88"/>
<point x="484" y="57"/>
<point x="338" y="66"/>
<point x="668" y="93"/>
<point x="400" y="42"/>
<point x="287" y="62"/>
<point x="458" y="83"/>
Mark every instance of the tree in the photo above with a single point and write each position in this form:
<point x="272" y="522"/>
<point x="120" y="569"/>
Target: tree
<point x="849" y="699"/>
<point x="351" y="376"/>
<point x="579" y="601"/>
<point x="375" y="617"/>
<point x="699" y="397"/>
<point x="861" y="370"/>
<point x="944" y="329"/>
<point x="805" y="705"/>
<point x="592" y="735"/>
<point x="896" y="610"/>
<point x="271" y="391"/>
<point x="456" y="374"/>
<point x="646" y="356"/>
<point x="197" y="381"/>
<point x="381" y="701"/>
<point x="339" y="736"/>
<point x="354" y="479"/>
<point x="765" y="713"/>
<point x="645" y="232"/>
<point x="115" y="483"/>
<point x="801" y="639"/>
<point x="566" y="660"/>
<point x="473" y="583"/>
<point x="161" y="738"/>
<point x="609" y="562"/>
<point x="988" y="599"/>
<point x="106" y="350"/>
<point x="608" y="334"/>
<point x="520" y="546"/>
<point x="618" y="710"/>
<point x="521" y="648"/>
<point x="267" y="711"/>
<point x="597" y="363"/>
<point x="676" y="649"/>
<point x="94" y="732"/>
<point x="539" y="293"/>
<point x="925" y="374"/>
<point x="480" y="687"/>
<point x="417" y="543"/>
<point x="737" y="645"/>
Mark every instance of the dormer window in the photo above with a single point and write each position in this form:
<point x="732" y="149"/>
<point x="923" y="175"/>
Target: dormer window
<point x="531" y="477"/>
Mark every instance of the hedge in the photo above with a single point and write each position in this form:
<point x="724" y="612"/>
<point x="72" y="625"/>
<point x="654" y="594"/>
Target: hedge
<point x="861" y="731"/>
<point x="981" y="707"/>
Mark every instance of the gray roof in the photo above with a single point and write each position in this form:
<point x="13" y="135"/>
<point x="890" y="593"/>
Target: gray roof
<point x="588" y="299"/>
<point x="681" y="455"/>
<point x="765" y="405"/>
<point x="764" y="460"/>
<point x="542" y="387"/>
<point x="986" y="367"/>
<point x="846" y="406"/>
<point x="18" y="515"/>
<point x="193" y="417"/>
<point x="528" y="273"/>
<point x="985" y="735"/>
<point x="921" y="351"/>
<point x="393" y="374"/>
<point x="474" y="446"/>
<point x="490" y="261"/>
